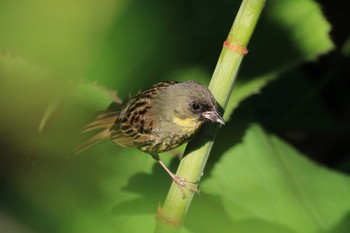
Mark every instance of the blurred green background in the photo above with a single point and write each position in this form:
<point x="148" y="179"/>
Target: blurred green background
<point x="280" y="164"/>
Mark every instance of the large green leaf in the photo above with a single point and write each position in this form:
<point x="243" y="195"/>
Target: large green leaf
<point x="264" y="184"/>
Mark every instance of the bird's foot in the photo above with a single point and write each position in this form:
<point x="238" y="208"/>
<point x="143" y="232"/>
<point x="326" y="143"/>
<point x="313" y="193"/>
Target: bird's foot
<point x="181" y="183"/>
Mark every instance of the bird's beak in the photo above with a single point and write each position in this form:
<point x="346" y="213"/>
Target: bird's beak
<point x="213" y="116"/>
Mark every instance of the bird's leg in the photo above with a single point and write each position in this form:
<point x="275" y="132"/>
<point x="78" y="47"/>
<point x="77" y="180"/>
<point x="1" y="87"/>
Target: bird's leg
<point x="181" y="182"/>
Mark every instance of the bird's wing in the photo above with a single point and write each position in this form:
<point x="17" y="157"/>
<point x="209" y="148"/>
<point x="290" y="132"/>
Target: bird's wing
<point x="136" y="123"/>
<point x="134" y="127"/>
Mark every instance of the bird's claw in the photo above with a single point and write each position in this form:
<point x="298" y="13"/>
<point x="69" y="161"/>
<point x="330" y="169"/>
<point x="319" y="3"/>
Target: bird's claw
<point x="181" y="183"/>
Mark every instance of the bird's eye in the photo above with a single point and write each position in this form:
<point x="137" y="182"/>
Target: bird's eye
<point x="196" y="107"/>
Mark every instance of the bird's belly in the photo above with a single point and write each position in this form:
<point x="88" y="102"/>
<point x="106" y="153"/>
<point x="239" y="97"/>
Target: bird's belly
<point x="168" y="136"/>
<point x="166" y="142"/>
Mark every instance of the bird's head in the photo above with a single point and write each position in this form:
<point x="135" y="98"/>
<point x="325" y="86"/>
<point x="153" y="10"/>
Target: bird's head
<point x="191" y="103"/>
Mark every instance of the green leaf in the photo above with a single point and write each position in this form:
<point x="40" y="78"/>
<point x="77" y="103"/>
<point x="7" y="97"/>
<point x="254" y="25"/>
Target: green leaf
<point x="289" y="33"/>
<point x="264" y="180"/>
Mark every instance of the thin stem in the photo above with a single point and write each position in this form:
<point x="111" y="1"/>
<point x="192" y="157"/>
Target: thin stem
<point x="171" y="215"/>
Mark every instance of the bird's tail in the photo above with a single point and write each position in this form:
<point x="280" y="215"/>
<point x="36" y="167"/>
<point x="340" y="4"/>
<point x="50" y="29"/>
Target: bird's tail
<point x="102" y="122"/>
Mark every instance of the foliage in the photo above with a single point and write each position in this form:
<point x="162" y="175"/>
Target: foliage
<point x="56" y="58"/>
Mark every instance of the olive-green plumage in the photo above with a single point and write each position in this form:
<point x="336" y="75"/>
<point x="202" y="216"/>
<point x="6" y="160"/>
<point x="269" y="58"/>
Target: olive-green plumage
<point x="157" y="120"/>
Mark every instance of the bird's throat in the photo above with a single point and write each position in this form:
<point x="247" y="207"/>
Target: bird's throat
<point x="191" y="124"/>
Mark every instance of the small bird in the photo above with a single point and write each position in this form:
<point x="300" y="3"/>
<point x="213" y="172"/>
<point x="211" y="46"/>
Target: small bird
<point x="158" y="119"/>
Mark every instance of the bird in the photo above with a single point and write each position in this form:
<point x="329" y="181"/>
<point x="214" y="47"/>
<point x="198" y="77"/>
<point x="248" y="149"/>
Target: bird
<point x="157" y="120"/>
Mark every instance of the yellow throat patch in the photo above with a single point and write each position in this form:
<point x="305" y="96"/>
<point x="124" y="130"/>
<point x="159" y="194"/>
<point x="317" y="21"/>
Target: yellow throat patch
<point x="191" y="124"/>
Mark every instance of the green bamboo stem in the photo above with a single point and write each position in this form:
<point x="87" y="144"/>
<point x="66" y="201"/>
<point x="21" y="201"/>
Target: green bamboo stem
<point x="171" y="215"/>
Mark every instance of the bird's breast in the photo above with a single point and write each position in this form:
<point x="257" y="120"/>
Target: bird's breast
<point x="170" y="135"/>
